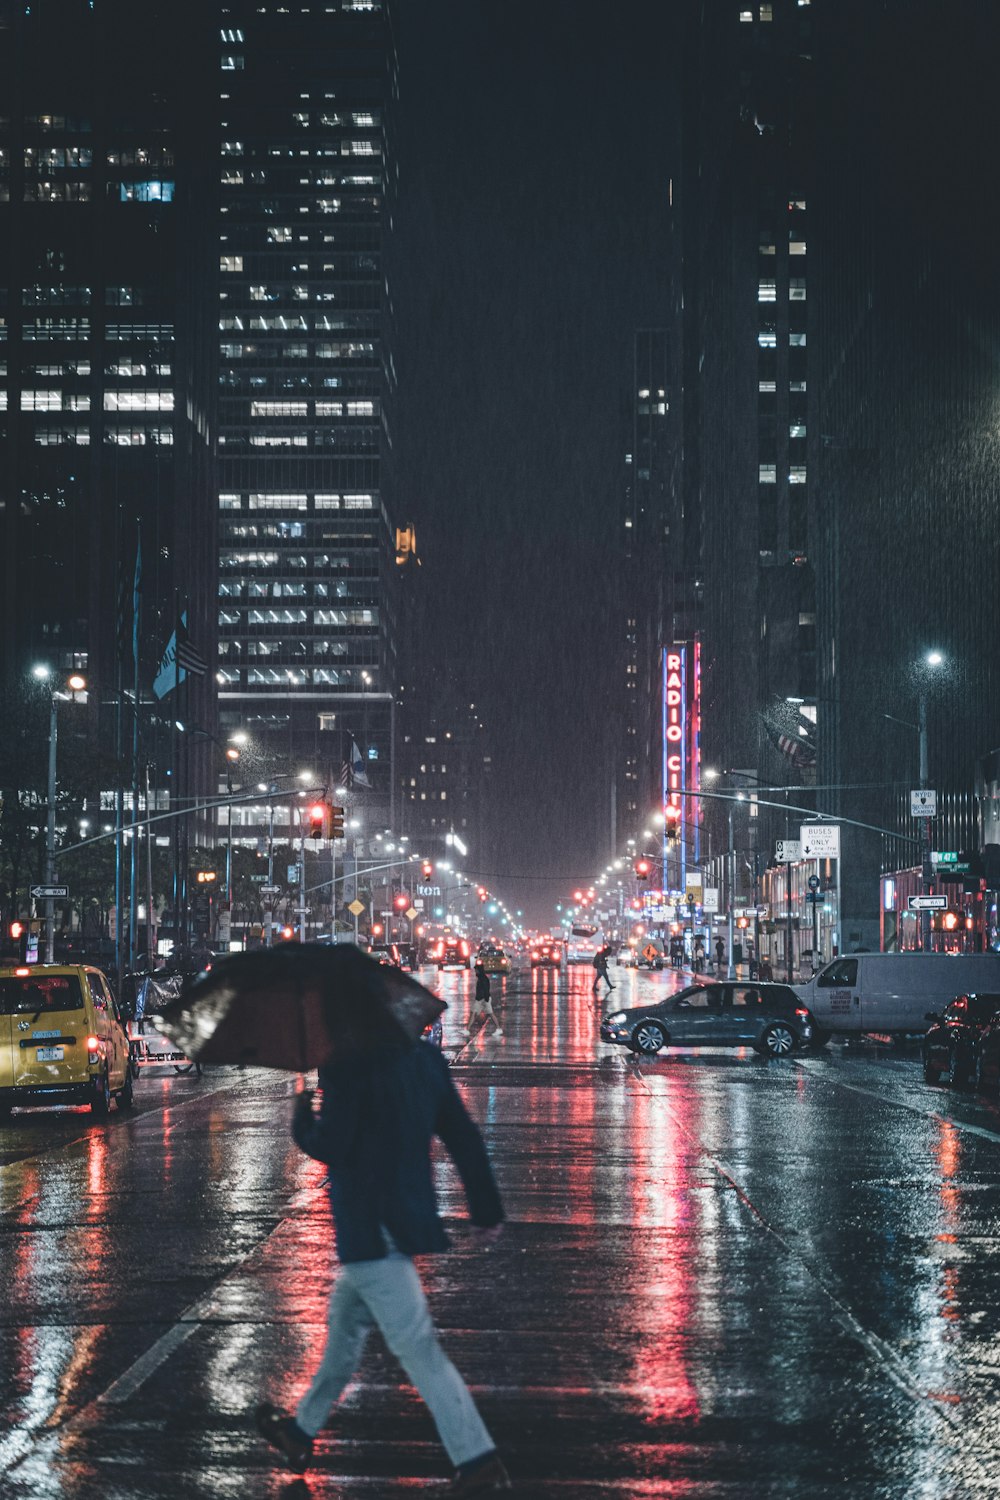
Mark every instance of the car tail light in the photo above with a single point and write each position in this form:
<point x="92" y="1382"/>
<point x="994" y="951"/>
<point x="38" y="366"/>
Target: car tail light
<point x="93" y="1043"/>
<point x="22" y="973"/>
<point x="800" y="1012"/>
<point x="465" y="950"/>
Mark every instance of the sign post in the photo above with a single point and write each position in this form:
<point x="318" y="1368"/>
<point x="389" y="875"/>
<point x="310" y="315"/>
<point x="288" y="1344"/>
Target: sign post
<point x="787" y="851"/>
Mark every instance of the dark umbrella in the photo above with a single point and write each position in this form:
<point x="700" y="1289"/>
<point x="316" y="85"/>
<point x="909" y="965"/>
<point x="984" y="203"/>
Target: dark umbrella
<point x="297" y="1006"/>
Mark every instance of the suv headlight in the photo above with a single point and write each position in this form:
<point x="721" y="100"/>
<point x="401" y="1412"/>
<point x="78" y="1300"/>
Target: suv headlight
<point x="618" y="1019"/>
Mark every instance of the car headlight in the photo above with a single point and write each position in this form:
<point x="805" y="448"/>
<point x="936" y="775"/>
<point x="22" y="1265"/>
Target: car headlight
<point x="618" y="1019"/>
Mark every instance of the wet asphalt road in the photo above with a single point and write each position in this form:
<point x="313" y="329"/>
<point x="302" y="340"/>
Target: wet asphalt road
<point x="722" y="1276"/>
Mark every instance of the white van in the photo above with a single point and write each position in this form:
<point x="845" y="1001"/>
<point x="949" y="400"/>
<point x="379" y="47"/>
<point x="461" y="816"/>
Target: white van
<point x="892" y="992"/>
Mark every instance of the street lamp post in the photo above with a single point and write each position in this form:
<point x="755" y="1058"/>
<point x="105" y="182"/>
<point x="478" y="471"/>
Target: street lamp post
<point x="925" y="835"/>
<point x="76" y="684"/>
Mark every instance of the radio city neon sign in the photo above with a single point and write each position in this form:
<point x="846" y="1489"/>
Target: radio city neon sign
<point x="674" y="715"/>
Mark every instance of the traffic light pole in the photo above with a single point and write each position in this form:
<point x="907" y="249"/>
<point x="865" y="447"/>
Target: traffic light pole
<point x="302" y="875"/>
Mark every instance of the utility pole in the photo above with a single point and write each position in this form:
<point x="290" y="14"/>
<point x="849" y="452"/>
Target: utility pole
<point x="302" y="875"/>
<point x="925" y="830"/>
<point x="50" y="834"/>
<point x="731" y="860"/>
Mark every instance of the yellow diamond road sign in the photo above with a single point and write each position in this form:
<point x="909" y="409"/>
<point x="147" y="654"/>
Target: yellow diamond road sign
<point x="356" y="908"/>
<point x="412" y="912"/>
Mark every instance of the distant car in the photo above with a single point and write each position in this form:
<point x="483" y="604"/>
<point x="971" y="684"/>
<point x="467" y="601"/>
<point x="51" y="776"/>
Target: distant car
<point x="546" y="956"/>
<point x="767" y="1017"/>
<point x="952" y="1045"/>
<point x="493" y="959"/>
<point x="582" y="951"/>
<point x="434" y="1033"/>
<point x="452" y="953"/>
<point x="386" y="953"/>
<point x="626" y="958"/>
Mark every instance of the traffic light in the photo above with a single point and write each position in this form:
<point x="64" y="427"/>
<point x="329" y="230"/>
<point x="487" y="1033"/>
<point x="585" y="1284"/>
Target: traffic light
<point x="426" y="869"/>
<point x="401" y="901"/>
<point x="642" y="868"/>
<point x="319" y="820"/>
<point x="336" y="822"/>
<point x="672" y="826"/>
<point x="482" y="893"/>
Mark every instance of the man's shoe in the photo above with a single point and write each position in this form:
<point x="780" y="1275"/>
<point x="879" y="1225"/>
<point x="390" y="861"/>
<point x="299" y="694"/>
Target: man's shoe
<point x="482" y="1477"/>
<point x="285" y="1434"/>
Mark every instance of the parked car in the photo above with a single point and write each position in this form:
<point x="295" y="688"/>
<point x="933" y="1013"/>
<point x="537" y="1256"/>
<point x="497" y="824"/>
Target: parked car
<point x="62" y="1039"/>
<point x="986" y="1076"/>
<point x="892" y="992"/>
<point x="768" y="1017"/>
<point x="386" y="953"/>
<point x="493" y="959"/>
<point x="952" y="1045"/>
<point x="546" y="955"/>
<point x="452" y="953"/>
<point x="626" y="958"/>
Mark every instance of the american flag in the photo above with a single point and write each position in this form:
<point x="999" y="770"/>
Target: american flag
<point x="188" y="656"/>
<point x="791" y="731"/>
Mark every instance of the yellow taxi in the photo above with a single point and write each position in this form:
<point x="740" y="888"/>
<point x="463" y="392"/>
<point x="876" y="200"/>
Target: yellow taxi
<point x="493" y="959"/>
<point x="62" y="1039"/>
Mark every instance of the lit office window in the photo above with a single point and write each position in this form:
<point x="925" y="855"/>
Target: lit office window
<point x="767" y="473"/>
<point x="797" y="475"/>
<point x="767" y="291"/>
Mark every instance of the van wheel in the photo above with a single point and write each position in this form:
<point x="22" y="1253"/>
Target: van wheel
<point x="183" y="1067"/>
<point x="126" y="1095"/>
<point x="100" y="1099"/>
<point x="777" y="1041"/>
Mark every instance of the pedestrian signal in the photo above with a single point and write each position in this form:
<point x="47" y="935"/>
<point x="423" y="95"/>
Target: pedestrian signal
<point x="336" y="822"/>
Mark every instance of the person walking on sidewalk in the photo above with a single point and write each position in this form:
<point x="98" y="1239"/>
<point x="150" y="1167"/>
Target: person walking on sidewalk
<point x="381" y="1107"/>
<point x="720" y="954"/>
<point x="483" y="1005"/>
<point x="601" y="966"/>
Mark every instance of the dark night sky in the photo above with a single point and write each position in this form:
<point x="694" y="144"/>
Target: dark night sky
<point x="531" y="233"/>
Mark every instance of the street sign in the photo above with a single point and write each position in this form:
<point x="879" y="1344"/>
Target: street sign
<point x="814" y="882"/>
<point x="293" y="874"/>
<point x="412" y="912"/>
<point x="259" y="879"/>
<point x="815" y="898"/>
<point x="928" y="903"/>
<point x="710" y="899"/>
<point x="761" y="911"/>
<point x="270" y="890"/>
<point x="49" y="892"/>
<point x="820" y="840"/>
<point x="356" y="908"/>
<point x="944" y="857"/>
<point x="923" y="803"/>
<point x="787" y="851"/>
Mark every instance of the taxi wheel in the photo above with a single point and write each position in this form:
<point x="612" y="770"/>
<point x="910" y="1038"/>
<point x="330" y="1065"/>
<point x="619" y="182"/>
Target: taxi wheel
<point x="100" y="1099"/>
<point x="183" y="1067"/>
<point x="126" y="1096"/>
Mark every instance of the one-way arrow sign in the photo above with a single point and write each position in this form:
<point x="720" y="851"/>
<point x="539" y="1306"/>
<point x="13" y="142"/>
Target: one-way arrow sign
<point x="928" y="903"/>
<point x="49" y="892"/>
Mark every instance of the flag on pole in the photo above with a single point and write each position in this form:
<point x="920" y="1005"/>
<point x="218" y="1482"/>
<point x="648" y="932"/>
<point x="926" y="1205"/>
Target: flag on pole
<point x="168" y="673"/>
<point x="359" y="776"/>
<point x="189" y="658"/>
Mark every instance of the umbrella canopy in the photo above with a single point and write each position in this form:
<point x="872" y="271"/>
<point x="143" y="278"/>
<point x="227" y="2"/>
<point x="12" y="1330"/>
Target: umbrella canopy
<point x="297" y="1006"/>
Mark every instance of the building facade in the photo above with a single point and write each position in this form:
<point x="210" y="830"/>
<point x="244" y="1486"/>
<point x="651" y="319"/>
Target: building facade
<point x="307" y="560"/>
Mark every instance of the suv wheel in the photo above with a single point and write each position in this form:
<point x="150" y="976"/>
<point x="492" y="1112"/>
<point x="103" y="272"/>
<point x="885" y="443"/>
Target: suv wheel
<point x="648" y="1037"/>
<point x="778" y="1040"/>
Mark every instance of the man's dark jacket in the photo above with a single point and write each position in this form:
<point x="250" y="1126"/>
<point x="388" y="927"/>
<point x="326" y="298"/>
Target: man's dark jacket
<point x="379" y="1113"/>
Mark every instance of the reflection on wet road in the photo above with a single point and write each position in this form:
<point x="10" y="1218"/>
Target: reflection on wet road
<point x="722" y="1277"/>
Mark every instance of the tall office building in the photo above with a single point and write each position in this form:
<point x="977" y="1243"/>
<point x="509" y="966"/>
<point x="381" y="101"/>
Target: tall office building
<point x="740" y="198"/>
<point x="106" y="346"/>
<point x="907" y="448"/>
<point x="307" y="632"/>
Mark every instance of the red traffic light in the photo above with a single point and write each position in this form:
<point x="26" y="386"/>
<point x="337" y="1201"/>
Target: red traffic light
<point x="642" y="868"/>
<point x="426" y="869"/>
<point x="401" y="902"/>
<point x="319" y="814"/>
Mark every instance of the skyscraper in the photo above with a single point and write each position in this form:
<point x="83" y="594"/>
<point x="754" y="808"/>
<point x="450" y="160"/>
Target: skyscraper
<point x="307" y="644"/>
